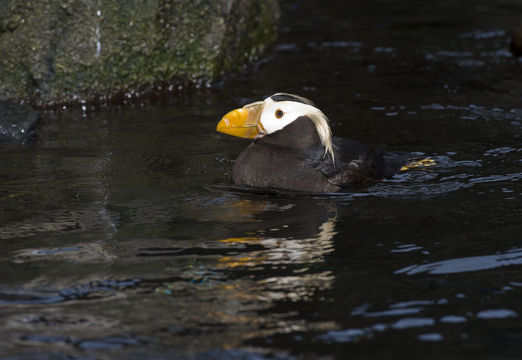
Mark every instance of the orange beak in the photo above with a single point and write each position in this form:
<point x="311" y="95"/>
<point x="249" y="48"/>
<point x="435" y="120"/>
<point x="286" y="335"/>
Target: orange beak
<point x="242" y="122"/>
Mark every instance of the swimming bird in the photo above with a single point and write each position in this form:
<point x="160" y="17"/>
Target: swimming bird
<point x="293" y="148"/>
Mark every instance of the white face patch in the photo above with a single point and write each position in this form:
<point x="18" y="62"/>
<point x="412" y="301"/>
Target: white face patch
<point x="276" y="115"/>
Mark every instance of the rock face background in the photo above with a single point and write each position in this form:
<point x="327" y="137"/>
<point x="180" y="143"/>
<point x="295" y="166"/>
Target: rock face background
<point x="54" y="51"/>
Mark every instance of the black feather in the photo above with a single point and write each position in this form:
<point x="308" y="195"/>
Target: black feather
<point x="290" y="97"/>
<point x="294" y="158"/>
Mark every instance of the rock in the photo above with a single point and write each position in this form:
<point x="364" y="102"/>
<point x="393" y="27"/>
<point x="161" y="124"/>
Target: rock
<point x="516" y="42"/>
<point x="17" y="121"/>
<point x="58" y="51"/>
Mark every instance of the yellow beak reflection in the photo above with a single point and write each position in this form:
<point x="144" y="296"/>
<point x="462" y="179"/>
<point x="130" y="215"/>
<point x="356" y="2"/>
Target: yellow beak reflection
<point x="243" y="122"/>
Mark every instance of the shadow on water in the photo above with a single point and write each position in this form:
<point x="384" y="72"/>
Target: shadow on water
<point x="123" y="238"/>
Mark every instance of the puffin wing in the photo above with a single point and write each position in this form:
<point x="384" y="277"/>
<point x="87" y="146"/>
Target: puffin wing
<point x="355" y="163"/>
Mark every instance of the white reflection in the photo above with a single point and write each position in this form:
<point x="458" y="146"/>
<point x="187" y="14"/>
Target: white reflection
<point x="496" y="314"/>
<point x="407" y="323"/>
<point x="307" y="230"/>
<point x="453" y="319"/>
<point x="303" y="283"/>
<point x="466" y="264"/>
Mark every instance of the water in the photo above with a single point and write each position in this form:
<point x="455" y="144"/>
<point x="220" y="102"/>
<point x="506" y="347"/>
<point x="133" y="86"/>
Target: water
<point x="121" y="237"/>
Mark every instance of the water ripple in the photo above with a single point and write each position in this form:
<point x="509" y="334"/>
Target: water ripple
<point x="465" y="264"/>
<point x="106" y="343"/>
<point x="496" y="314"/>
<point x="495" y="178"/>
<point x="92" y="289"/>
<point x="430" y="337"/>
<point x="483" y="34"/>
<point x="453" y="319"/>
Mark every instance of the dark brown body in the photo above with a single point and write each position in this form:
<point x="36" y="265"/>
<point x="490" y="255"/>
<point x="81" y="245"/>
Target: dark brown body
<point x="293" y="158"/>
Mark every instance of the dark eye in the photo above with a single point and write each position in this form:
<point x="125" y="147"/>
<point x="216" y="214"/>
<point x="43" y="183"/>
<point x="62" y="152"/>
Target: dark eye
<point x="279" y="113"/>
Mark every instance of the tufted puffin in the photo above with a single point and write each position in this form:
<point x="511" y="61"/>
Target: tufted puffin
<point x="293" y="148"/>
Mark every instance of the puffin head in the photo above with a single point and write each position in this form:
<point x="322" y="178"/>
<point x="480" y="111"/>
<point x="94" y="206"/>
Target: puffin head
<point x="265" y="117"/>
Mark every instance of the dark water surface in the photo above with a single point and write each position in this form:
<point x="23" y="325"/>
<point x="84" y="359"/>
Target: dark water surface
<point x="120" y="238"/>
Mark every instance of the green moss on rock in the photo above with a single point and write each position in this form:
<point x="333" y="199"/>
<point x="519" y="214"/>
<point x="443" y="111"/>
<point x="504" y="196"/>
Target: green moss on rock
<point x="54" y="51"/>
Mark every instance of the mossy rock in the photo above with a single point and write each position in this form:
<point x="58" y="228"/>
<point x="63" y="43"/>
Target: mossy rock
<point x="59" y="51"/>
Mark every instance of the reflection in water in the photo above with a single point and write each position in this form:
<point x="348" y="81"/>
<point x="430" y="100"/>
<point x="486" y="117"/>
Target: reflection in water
<point x="281" y="250"/>
<point x="289" y="264"/>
